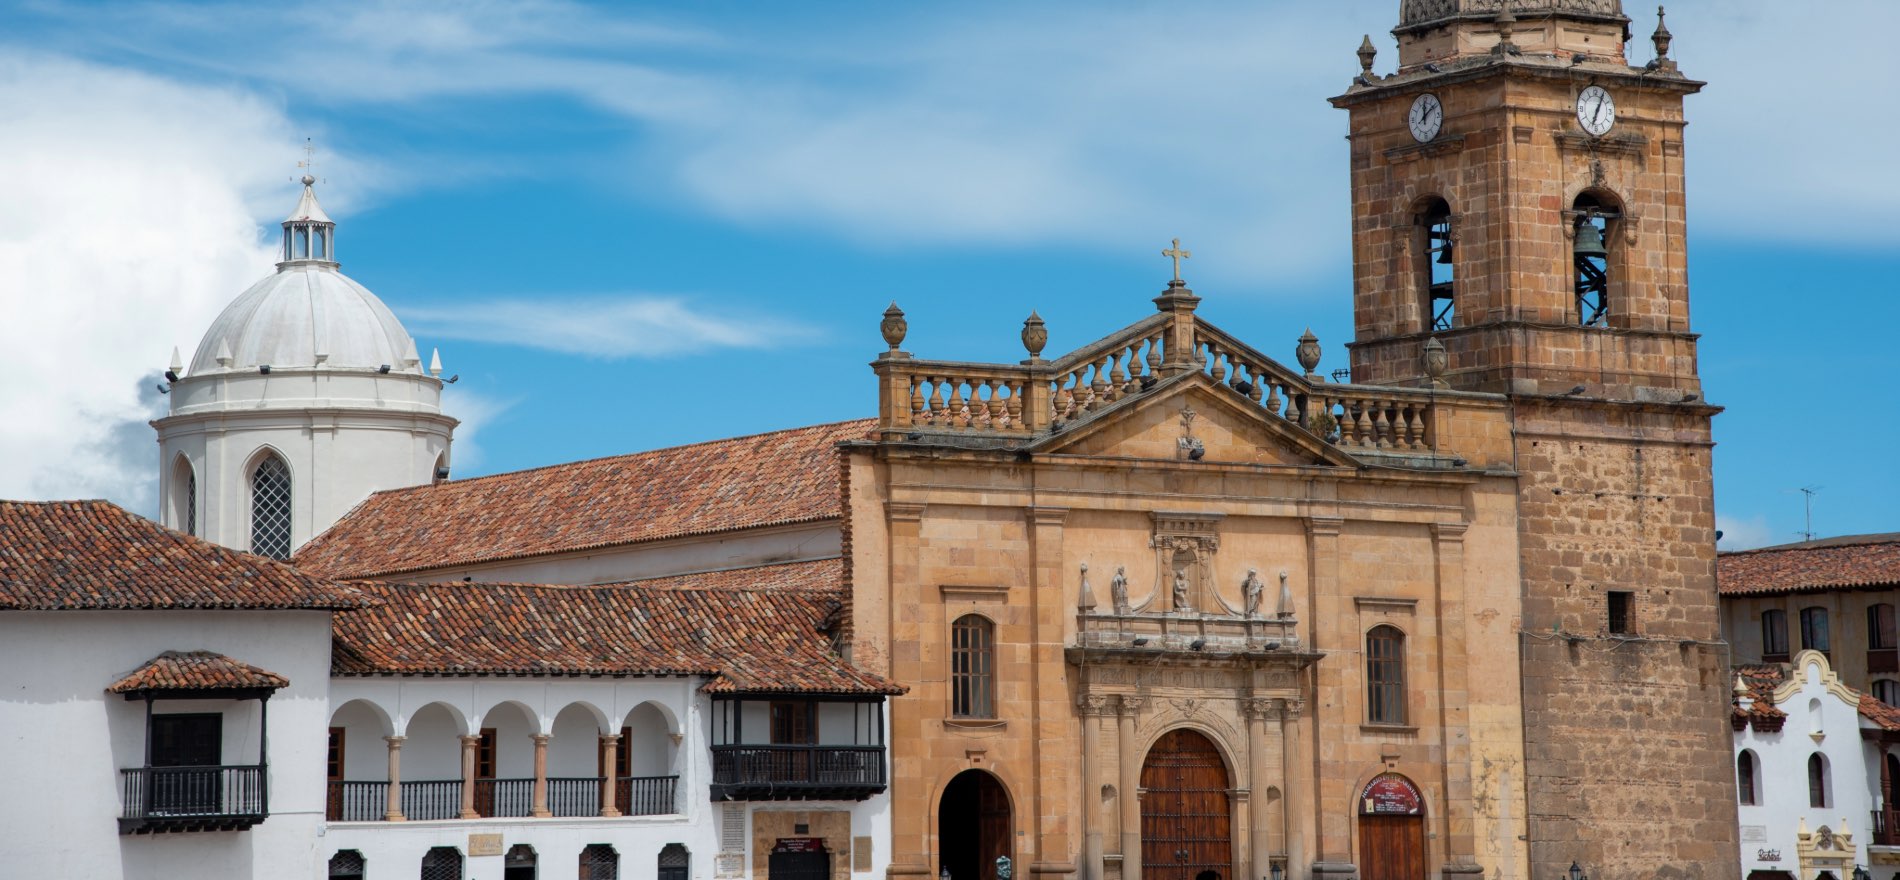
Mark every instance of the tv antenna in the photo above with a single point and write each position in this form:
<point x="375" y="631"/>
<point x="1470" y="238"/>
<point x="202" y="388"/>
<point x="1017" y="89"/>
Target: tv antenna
<point x="1807" y="504"/>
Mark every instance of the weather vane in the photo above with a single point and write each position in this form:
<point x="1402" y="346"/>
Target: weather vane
<point x="309" y="162"/>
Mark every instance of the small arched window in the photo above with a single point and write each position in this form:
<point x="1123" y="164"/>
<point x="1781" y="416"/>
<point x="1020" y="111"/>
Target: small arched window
<point x="1590" y="255"/>
<point x="347" y="864"/>
<point x="599" y="861"/>
<point x="1435" y="265"/>
<point x="1774" y="636"/>
<point x="1745" y="777"/>
<point x="675" y="862"/>
<point x="521" y="863"/>
<point x="270" y="508"/>
<point x="1385" y="675"/>
<point x="1814" y="629"/>
<point x="1817" y="780"/>
<point x="972" y="667"/>
<point x="184" y="500"/>
<point x="442" y="863"/>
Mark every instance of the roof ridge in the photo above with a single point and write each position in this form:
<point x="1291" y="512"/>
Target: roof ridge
<point x="619" y="455"/>
<point x="1833" y="543"/>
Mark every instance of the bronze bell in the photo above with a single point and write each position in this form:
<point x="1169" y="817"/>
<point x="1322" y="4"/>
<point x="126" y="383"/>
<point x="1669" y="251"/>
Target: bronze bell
<point x="1590" y="242"/>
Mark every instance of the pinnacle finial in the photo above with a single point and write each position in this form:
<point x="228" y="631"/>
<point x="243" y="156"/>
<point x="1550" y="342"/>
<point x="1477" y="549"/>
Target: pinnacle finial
<point x="1367" y="52"/>
<point x="1035" y="336"/>
<point x="894" y="327"/>
<point x="1662" y="36"/>
<point x="1507" y="23"/>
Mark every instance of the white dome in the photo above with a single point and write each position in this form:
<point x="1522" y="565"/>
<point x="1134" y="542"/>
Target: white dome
<point x="305" y="309"/>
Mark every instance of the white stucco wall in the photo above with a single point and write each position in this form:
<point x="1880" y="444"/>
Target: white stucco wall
<point x="1781" y="805"/>
<point x="63" y="741"/>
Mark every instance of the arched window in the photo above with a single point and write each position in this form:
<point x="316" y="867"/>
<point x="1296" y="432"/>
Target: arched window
<point x="521" y="863"/>
<point x="1814" y="629"/>
<point x="1774" y="636"/>
<point x="1434" y="264"/>
<point x="1817" y="780"/>
<point x="184" y="501"/>
<point x="1590" y="255"/>
<point x="1385" y="675"/>
<point x="675" y="862"/>
<point x="270" y="508"/>
<point x="442" y="863"/>
<point x="1745" y="777"/>
<point x="347" y="864"/>
<point x="972" y="668"/>
<point x="600" y="862"/>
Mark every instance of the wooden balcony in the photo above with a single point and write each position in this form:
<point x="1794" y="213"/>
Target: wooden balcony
<point x="568" y="797"/>
<point x="796" y="772"/>
<point x="1885" y="829"/>
<point x="211" y="798"/>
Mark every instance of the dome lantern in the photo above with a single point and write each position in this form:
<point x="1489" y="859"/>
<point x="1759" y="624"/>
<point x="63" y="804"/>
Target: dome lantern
<point x="309" y="234"/>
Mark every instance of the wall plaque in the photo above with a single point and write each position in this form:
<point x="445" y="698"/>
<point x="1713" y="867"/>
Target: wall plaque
<point x="484" y="845"/>
<point x="1754" y="834"/>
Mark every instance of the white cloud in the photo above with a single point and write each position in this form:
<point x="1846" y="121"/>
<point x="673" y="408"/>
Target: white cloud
<point x="606" y="327"/>
<point x="126" y="225"/>
<point x="476" y="411"/>
<point x="1744" y="534"/>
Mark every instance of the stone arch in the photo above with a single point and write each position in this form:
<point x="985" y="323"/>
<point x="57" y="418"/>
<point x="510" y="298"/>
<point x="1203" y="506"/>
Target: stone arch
<point x="973" y="815"/>
<point x="574" y="749"/>
<point x="515" y="725"/>
<point x="648" y="747"/>
<point x="464" y="725"/>
<point x="432" y="747"/>
<point x="1602" y="208"/>
<point x="1222" y="734"/>
<point x="536" y="723"/>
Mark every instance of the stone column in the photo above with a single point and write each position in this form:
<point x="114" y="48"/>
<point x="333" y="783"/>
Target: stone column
<point x="1326" y="816"/>
<point x="392" y="811"/>
<point x="540" y="808"/>
<point x="1257" y="711"/>
<point x="1128" y="798"/>
<point x="1050" y="716"/>
<point x="469" y="746"/>
<point x="609" y="758"/>
<point x="1292" y="791"/>
<point x="1094" y="706"/>
<point x="1240" y="806"/>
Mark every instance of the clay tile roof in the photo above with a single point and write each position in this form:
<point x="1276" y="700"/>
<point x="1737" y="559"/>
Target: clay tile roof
<point x="1833" y="563"/>
<point x="753" y="630"/>
<point x="777" y="478"/>
<point x="197" y="671"/>
<point x="94" y="555"/>
<point x="1887" y="717"/>
<point x="1761" y="679"/>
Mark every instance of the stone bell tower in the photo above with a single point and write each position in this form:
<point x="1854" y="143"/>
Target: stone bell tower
<point x="1517" y="191"/>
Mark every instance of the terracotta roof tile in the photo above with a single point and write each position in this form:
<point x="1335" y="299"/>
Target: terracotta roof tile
<point x="762" y="636"/>
<point x="1835" y="563"/>
<point x="197" y="671"/>
<point x="1887" y="717"/>
<point x="776" y="478"/>
<point x="1761" y="680"/>
<point x="94" y="555"/>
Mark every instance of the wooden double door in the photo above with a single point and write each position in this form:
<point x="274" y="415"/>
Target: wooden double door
<point x="1186" y="825"/>
<point x="1392" y="848"/>
<point x="973" y="828"/>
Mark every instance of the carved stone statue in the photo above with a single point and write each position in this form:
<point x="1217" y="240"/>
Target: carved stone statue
<point x="1118" y="590"/>
<point x="1286" y="596"/>
<point x="1250" y="591"/>
<point x="1181" y="602"/>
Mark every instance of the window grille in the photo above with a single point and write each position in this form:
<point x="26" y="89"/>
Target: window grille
<point x="1817" y="781"/>
<point x="191" y="501"/>
<point x="600" y="862"/>
<point x="1385" y="675"/>
<point x="442" y="863"/>
<point x="675" y="862"/>
<point x="270" y="508"/>
<point x="1622" y="620"/>
<point x="1774" y="635"/>
<point x="347" y="864"/>
<point x="1745" y="777"/>
<point x="1814" y="629"/>
<point x="972" y="668"/>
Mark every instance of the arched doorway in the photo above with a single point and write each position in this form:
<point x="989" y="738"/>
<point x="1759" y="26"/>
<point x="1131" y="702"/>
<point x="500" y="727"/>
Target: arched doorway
<point x="973" y="827"/>
<point x="1185" y="825"/>
<point x="1391" y="830"/>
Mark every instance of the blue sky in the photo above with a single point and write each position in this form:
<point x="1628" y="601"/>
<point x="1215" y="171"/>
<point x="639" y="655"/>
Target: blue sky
<point x="630" y="226"/>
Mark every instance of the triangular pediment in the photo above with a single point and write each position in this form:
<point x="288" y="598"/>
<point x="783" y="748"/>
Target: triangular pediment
<point x="1229" y="428"/>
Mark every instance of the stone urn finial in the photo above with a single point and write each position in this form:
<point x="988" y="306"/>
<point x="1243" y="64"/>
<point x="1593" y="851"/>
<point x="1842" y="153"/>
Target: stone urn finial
<point x="1434" y="361"/>
<point x="894" y="327"/>
<point x="1308" y="354"/>
<point x="1507" y="23"/>
<point x="1660" y="39"/>
<point x="1035" y="336"/>
<point x="1366" y="54"/>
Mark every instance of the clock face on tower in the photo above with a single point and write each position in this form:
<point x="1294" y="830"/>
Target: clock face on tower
<point x="1426" y="118"/>
<point x="1596" y="112"/>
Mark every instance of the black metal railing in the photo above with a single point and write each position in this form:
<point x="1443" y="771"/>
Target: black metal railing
<point x="356" y="801"/>
<point x="646" y="795"/>
<point x="504" y="798"/>
<point x="194" y="792"/>
<point x="574" y="795"/>
<point x="798" y="765"/>
<point x="1886" y="827"/>
<point x="431" y="799"/>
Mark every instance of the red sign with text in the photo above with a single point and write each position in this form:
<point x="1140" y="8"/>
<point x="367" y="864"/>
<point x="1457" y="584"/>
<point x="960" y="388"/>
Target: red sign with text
<point x="1391" y="795"/>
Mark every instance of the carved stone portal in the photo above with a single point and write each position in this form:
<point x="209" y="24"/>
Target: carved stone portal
<point x="1184" y="545"/>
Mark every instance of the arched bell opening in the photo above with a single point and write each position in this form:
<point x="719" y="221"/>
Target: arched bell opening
<point x="1434" y="263"/>
<point x="1594" y="215"/>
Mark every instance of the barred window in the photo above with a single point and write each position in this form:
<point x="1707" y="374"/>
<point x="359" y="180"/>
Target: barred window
<point x="972" y="668"/>
<point x="1745" y="777"/>
<point x="600" y="862"/>
<point x="1814" y="629"/>
<point x="1817" y="780"/>
<point x="1385" y="675"/>
<point x="675" y="862"/>
<point x="1774" y="635"/>
<point x="270" y="508"/>
<point x="442" y="863"/>
<point x="347" y="864"/>
<point x="521" y="863"/>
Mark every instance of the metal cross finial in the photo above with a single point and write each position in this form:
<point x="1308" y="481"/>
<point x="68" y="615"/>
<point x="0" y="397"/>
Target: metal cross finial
<point x="1177" y="254"/>
<point x="309" y="163"/>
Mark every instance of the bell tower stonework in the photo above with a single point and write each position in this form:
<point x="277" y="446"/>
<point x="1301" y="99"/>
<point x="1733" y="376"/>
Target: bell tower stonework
<point x="1517" y="193"/>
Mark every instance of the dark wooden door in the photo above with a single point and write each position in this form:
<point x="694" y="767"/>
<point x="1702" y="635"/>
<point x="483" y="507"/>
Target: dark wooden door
<point x="798" y="866"/>
<point x="485" y="773"/>
<point x="973" y="828"/>
<point x="1392" y="847"/>
<point x="185" y="741"/>
<point x="333" y="799"/>
<point x="1185" y="825"/>
<point x="992" y="818"/>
